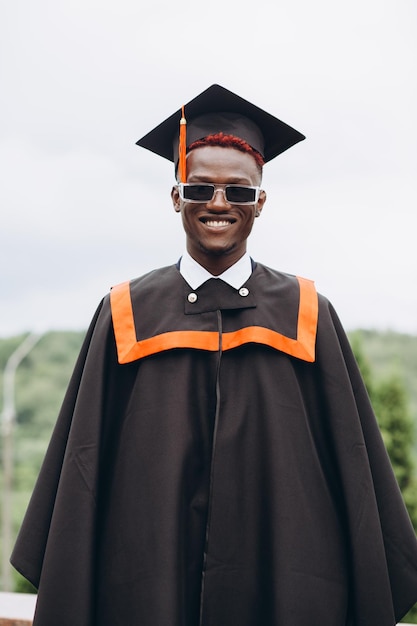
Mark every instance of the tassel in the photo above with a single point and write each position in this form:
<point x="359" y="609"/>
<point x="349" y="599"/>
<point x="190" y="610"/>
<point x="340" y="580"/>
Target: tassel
<point x="182" y="151"/>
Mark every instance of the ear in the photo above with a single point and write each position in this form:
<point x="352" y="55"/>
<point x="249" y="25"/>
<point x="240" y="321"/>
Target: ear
<point x="176" y="200"/>
<point x="260" y="203"/>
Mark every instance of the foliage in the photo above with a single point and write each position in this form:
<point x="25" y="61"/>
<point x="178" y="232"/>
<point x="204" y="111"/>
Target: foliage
<point x="391" y="404"/>
<point x="388" y="355"/>
<point x="41" y="380"/>
<point x="390" y="401"/>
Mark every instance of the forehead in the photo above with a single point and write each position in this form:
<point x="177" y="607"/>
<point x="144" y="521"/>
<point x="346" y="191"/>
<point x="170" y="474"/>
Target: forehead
<point x="222" y="163"/>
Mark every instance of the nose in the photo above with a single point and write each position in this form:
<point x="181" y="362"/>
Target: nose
<point x="218" y="200"/>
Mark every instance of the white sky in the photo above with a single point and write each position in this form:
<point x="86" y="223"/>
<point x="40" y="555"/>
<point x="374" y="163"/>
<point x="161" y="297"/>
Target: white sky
<point x="83" y="208"/>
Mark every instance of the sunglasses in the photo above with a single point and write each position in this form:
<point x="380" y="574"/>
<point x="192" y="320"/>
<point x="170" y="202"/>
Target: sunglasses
<point x="204" y="192"/>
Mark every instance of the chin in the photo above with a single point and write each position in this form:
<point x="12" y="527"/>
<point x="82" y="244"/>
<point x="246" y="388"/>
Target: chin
<point x="217" y="250"/>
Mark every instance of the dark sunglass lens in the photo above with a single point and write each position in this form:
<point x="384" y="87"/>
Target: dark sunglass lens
<point x="240" y="194"/>
<point x="198" y="193"/>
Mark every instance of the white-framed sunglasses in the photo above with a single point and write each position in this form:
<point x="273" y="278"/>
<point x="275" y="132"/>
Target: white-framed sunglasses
<point x="204" y="192"/>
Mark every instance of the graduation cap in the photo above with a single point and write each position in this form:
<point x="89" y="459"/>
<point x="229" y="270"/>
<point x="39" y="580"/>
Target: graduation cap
<point x="218" y="110"/>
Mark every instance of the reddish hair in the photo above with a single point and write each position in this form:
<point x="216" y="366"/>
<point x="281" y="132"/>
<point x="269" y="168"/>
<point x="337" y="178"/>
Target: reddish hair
<point x="228" y="141"/>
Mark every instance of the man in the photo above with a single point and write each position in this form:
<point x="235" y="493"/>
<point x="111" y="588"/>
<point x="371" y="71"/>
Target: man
<point x="216" y="460"/>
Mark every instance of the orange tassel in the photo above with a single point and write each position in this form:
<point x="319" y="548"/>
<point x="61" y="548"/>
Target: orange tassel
<point x="182" y="151"/>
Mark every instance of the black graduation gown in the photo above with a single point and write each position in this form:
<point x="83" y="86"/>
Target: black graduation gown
<point x="228" y="471"/>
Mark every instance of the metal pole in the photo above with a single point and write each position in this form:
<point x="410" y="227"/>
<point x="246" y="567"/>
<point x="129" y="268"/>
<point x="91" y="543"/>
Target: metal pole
<point x="8" y="419"/>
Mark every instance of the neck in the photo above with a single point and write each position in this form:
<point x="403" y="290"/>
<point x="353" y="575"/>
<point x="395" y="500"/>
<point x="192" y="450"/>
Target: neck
<point x="217" y="264"/>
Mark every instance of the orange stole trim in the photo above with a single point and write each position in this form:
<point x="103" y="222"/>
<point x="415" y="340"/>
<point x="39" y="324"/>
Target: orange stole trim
<point x="130" y="349"/>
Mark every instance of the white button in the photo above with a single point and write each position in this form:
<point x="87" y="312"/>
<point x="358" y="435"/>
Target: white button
<point x="192" y="297"/>
<point x="243" y="291"/>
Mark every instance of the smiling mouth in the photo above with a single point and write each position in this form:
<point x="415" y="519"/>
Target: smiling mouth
<point x="217" y="223"/>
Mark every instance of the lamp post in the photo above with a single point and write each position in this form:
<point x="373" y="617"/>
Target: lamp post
<point x="8" y="419"/>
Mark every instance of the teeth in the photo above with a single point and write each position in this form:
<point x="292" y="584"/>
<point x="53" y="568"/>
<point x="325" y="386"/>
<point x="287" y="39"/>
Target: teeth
<point x="216" y="223"/>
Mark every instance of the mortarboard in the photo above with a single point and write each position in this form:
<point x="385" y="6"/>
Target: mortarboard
<point x="219" y="110"/>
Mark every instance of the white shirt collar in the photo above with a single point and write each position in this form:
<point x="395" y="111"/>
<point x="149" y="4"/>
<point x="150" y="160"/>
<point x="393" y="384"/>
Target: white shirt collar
<point x="235" y="276"/>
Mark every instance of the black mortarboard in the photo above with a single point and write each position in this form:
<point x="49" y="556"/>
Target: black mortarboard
<point x="219" y="110"/>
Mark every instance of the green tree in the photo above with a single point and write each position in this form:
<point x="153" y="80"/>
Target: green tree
<point x="397" y="427"/>
<point x="390" y="401"/>
<point x="362" y="361"/>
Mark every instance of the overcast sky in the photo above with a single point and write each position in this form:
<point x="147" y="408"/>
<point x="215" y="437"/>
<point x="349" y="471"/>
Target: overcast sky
<point x="83" y="208"/>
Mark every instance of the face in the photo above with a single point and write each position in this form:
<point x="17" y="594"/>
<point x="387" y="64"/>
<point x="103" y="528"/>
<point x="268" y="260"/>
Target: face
<point x="217" y="231"/>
